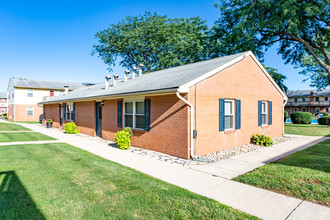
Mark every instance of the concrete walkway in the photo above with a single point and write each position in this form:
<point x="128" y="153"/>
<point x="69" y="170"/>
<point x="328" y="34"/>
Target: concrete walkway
<point x="212" y="180"/>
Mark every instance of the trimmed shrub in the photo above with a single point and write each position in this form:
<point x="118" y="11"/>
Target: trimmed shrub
<point x="129" y="130"/>
<point x="49" y="121"/>
<point x="325" y="120"/>
<point x="301" y="117"/>
<point x="71" y="128"/>
<point x="262" y="140"/>
<point x="123" y="140"/>
<point x="324" y="113"/>
<point x="4" y="114"/>
<point x="286" y="115"/>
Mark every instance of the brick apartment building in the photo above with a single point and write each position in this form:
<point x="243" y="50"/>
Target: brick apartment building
<point x="24" y="95"/>
<point x="3" y="103"/>
<point x="185" y="111"/>
<point x="308" y="101"/>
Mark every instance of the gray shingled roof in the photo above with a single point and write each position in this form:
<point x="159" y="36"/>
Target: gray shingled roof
<point x="166" y="79"/>
<point x="45" y="84"/>
<point x="3" y="95"/>
<point x="302" y="93"/>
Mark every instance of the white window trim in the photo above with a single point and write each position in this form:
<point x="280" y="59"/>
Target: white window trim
<point x="66" y="112"/>
<point x="264" y="113"/>
<point x="232" y="114"/>
<point x="28" y="110"/>
<point x="134" y="101"/>
<point x="29" y="91"/>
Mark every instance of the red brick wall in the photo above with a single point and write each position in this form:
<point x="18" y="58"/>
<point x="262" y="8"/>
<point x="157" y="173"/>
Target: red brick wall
<point x="168" y="126"/>
<point x="20" y="113"/>
<point x="85" y="117"/>
<point x="244" y="81"/>
<point x="52" y="112"/>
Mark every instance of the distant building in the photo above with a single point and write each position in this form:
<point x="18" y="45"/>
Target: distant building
<point x="308" y="101"/>
<point x="24" y="95"/>
<point x="3" y="103"/>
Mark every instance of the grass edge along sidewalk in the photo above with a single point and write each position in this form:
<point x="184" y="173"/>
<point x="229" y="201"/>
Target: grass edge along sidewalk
<point x="304" y="175"/>
<point x="64" y="182"/>
<point x="23" y="136"/>
<point x="308" y="130"/>
<point x="12" y="127"/>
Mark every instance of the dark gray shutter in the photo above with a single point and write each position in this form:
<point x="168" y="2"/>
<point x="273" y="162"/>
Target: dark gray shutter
<point x="238" y="114"/>
<point x="73" y="112"/>
<point x="270" y="112"/>
<point x="259" y="113"/>
<point x="221" y="114"/>
<point x="119" y="114"/>
<point x="147" y="114"/>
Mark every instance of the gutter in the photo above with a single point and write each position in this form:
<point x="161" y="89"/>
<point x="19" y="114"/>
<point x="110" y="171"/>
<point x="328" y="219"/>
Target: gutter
<point x="192" y="154"/>
<point x="285" y="101"/>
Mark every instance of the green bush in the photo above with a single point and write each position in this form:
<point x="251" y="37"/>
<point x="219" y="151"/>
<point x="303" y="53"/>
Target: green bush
<point x="49" y="120"/>
<point x="123" y="140"/>
<point x="262" y="140"/>
<point x="325" y="120"/>
<point x="4" y="114"/>
<point x="286" y="114"/>
<point x="301" y="117"/>
<point x="71" y="128"/>
<point x="324" y="113"/>
<point x="129" y="130"/>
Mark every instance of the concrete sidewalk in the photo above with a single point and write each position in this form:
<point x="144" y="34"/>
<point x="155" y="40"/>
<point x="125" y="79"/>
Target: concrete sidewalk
<point x="212" y="180"/>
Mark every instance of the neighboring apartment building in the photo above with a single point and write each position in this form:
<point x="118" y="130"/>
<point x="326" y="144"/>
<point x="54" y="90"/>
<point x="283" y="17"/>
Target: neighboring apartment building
<point x="194" y="109"/>
<point x="24" y="95"/>
<point x="308" y="101"/>
<point x="3" y="103"/>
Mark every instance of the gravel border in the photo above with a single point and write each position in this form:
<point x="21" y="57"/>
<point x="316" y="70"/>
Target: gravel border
<point x="223" y="154"/>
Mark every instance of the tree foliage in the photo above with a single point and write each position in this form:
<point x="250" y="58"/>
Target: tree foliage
<point x="300" y="27"/>
<point x="278" y="78"/>
<point x="156" y="41"/>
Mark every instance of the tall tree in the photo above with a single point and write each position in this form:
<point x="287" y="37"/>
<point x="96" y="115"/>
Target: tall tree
<point x="156" y="41"/>
<point x="301" y="28"/>
<point x="278" y="78"/>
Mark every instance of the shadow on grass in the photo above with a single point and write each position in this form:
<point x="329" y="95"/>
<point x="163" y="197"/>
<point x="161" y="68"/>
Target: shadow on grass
<point x="15" y="201"/>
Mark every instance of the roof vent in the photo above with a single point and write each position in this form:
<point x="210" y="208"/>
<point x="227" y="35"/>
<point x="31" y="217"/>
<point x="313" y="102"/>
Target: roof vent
<point x="114" y="79"/>
<point x="125" y="75"/>
<point x="140" y="69"/>
<point x="66" y="90"/>
<point x="106" y="81"/>
<point x="133" y="72"/>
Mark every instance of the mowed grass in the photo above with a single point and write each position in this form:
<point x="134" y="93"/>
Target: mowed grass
<point x="12" y="127"/>
<point x="304" y="175"/>
<point x="59" y="181"/>
<point x="309" y="130"/>
<point x="23" y="136"/>
<point x="25" y="122"/>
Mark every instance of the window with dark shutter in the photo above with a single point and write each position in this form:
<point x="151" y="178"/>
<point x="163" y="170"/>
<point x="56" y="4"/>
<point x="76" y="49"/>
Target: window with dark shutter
<point x="119" y="114"/>
<point x="221" y="114"/>
<point x="238" y="114"/>
<point x="147" y="114"/>
<point x="270" y="112"/>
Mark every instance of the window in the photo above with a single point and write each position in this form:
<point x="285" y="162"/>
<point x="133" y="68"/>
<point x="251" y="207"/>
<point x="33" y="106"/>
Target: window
<point x="304" y="99"/>
<point x="51" y="93"/>
<point x="295" y="110"/>
<point x="134" y="114"/>
<point x="326" y="99"/>
<point x="3" y="100"/>
<point x="326" y="109"/>
<point x="69" y="112"/>
<point x="3" y="110"/>
<point x="229" y="114"/>
<point x="29" y="111"/>
<point x="295" y="99"/>
<point x="317" y="99"/>
<point x="264" y="113"/>
<point x="304" y="109"/>
<point x="29" y="93"/>
<point x="61" y="92"/>
<point x="317" y="109"/>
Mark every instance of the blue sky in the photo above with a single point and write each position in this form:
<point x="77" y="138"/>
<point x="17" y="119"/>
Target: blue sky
<point x="53" y="40"/>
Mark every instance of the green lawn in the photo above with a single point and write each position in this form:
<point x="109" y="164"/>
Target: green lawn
<point x="12" y="127"/>
<point x="23" y="136"/>
<point x="26" y="122"/>
<point x="309" y="130"/>
<point x="59" y="181"/>
<point x="304" y="175"/>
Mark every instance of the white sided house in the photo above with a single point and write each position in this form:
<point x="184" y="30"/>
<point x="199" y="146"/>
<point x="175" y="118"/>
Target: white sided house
<point x="25" y="94"/>
<point x="3" y="103"/>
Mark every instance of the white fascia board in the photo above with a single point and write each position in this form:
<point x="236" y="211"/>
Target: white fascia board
<point x="185" y="88"/>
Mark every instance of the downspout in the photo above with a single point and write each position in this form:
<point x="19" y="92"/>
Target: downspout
<point x="285" y="101"/>
<point x="192" y="154"/>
